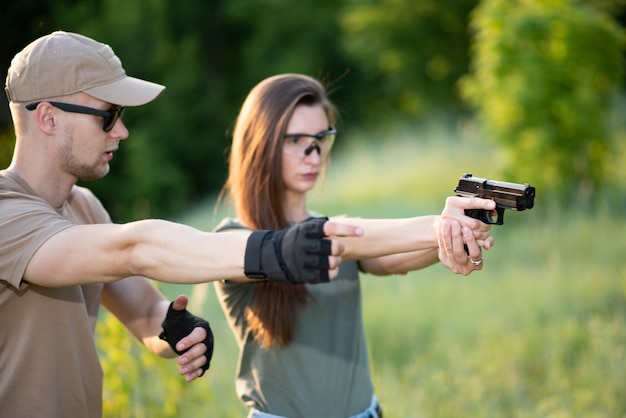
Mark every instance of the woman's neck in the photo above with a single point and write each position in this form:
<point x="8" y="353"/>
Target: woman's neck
<point x="295" y="207"/>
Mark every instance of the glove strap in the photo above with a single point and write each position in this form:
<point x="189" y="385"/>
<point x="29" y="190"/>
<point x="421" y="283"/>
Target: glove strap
<point x="252" y="267"/>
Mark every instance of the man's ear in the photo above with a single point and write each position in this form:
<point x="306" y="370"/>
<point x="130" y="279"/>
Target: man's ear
<point x="45" y="117"/>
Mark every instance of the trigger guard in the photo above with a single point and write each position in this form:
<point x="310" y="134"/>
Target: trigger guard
<point x="485" y="215"/>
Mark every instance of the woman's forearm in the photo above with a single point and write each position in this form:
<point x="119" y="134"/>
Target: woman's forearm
<point x="383" y="237"/>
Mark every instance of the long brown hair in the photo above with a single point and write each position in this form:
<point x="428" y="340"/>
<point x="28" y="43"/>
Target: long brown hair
<point x="255" y="188"/>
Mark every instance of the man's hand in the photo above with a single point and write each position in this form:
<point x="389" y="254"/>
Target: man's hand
<point x="189" y="336"/>
<point x="299" y="253"/>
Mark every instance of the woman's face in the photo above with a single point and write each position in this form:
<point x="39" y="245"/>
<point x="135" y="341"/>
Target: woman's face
<point x="303" y="156"/>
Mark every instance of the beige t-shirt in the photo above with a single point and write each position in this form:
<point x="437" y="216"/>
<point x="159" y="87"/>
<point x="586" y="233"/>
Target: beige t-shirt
<point x="49" y="364"/>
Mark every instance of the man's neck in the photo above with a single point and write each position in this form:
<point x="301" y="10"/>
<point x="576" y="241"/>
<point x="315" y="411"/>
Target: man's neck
<point x="54" y="189"/>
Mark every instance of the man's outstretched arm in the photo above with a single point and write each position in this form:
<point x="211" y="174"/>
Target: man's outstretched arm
<point x="167" y="252"/>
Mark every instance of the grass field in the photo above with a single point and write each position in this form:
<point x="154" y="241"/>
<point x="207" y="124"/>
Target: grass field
<point x="539" y="332"/>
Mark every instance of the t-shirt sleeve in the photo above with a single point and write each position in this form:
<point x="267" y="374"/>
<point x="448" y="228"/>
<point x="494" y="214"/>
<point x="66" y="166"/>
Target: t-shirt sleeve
<point x="26" y="223"/>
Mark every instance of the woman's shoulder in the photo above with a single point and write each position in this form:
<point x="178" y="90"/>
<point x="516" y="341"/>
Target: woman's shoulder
<point x="228" y="224"/>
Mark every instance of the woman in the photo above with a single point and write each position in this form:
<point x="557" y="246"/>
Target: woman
<point x="303" y="349"/>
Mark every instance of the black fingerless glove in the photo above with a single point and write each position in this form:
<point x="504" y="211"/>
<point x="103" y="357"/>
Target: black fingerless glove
<point x="179" y="324"/>
<point x="295" y="255"/>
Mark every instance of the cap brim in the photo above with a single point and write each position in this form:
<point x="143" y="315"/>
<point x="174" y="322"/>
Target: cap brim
<point x="127" y="91"/>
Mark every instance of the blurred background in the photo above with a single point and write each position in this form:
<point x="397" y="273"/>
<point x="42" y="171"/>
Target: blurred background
<point x="543" y="75"/>
<point x="527" y="91"/>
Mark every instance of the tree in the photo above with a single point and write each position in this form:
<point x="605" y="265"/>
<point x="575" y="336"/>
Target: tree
<point x="412" y="53"/>
<point x="542" y="79"/>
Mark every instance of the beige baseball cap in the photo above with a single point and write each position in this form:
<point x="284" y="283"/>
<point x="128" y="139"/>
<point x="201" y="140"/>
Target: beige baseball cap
<point x="63" y="63"/>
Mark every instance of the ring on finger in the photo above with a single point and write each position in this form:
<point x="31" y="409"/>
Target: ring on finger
<point x="476" y="262"/>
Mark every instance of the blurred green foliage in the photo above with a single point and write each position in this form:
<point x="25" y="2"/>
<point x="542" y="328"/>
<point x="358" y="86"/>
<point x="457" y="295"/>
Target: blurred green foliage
<point x="125" y="363"/>
<point x="411" y="52"/>
<point x="545" y="74"/>
<point x="384" y="60"/>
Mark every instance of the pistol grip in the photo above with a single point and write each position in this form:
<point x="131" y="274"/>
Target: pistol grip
<point x="485" y="215"/>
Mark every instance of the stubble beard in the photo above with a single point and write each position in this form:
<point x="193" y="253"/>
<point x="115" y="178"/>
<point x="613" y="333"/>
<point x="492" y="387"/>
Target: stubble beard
<point x="74" y="166"/>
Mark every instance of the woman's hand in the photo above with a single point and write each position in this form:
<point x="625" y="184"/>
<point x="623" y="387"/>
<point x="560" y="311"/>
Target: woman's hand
<point x="455" y="210"/>
<point x="460" y="237"/>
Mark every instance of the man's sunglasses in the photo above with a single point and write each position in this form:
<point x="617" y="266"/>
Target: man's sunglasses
<point x="110" y="116"/>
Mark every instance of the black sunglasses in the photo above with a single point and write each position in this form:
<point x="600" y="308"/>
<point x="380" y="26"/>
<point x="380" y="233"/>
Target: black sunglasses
<point x="110" y="116"/>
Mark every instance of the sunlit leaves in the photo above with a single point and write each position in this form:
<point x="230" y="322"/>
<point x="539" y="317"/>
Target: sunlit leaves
<point x="543" y="76"/>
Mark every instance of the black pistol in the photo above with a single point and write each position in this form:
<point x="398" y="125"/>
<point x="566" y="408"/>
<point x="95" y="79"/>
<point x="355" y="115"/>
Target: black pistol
<point x="506" y="195"/>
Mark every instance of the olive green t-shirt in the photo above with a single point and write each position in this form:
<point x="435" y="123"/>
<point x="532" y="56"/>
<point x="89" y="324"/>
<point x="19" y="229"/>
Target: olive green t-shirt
<point x="49" y="364"/>
<point x="324" y="371"/>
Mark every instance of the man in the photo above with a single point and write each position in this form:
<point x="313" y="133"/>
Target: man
<point x="61" y="255"/>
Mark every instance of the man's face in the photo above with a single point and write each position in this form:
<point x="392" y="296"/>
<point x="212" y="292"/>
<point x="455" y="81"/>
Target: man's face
<point x="87" y="149"/>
